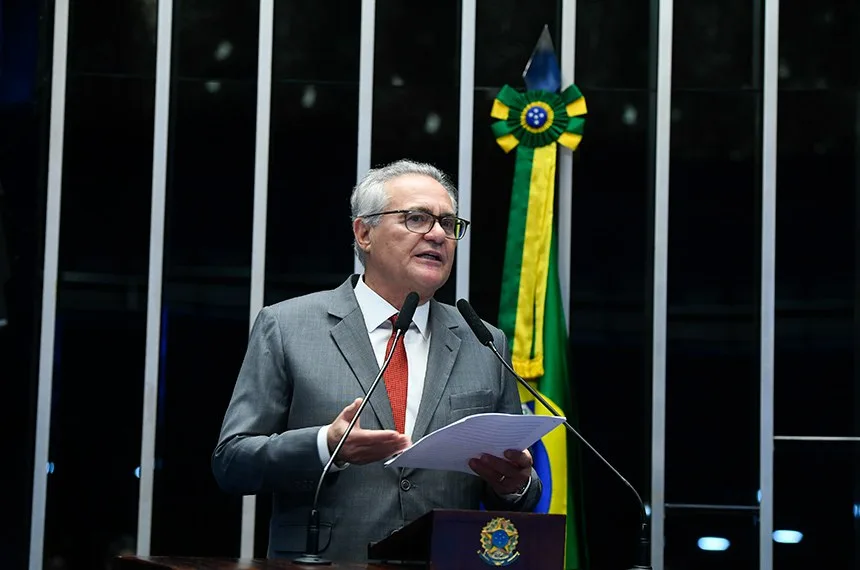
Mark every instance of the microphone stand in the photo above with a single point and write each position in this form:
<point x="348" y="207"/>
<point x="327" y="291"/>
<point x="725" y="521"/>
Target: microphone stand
<point x="643" y="549"/>
<point x="312" y="547"/>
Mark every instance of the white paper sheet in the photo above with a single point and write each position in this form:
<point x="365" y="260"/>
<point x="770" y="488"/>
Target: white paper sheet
<point x="451" y="447"/>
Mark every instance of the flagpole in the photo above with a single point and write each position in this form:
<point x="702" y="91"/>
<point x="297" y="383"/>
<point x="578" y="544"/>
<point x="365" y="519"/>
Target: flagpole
<point x="565" y="161"/>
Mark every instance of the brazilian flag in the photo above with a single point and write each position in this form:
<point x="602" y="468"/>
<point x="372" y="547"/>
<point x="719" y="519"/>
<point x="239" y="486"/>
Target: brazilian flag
<point x="531" y="314"/>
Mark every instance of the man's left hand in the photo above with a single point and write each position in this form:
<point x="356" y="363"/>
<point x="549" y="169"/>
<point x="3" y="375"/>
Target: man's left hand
<point x="507" y="475"/>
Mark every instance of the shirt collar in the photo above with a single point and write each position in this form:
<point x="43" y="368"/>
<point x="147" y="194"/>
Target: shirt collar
<point x="377" y="310"/>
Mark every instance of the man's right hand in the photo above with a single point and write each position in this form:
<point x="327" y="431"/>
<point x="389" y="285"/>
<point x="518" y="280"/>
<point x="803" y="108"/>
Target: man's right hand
<point x="363" y="445"/>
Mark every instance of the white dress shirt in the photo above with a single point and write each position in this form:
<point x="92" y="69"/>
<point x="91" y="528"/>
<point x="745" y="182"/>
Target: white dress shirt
<point x="377" y="311"/>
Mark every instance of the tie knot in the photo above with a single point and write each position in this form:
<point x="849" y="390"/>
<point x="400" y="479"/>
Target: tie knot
<point x="393" y="319"/>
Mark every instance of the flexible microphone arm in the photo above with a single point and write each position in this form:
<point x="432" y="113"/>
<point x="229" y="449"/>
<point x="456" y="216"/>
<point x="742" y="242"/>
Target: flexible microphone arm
<point x="312" y="546"/>
<point x="643" y="553"/>
<point x="311" y="555"/>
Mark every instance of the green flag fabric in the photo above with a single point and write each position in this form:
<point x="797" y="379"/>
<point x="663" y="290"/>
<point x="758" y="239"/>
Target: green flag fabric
<point x="531" y="312"/>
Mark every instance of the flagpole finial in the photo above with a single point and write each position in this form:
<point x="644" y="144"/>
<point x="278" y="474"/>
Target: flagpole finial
<point x="542" y="71"/>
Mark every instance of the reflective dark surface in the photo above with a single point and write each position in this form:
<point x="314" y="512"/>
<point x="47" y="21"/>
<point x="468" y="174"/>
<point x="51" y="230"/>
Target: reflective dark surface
<point x="716" y="44"/>
<point x="817" y="334"/>
<point x="610" y="326"/>
<point x="506" y="32"/>
<point x="816" y="495"/>
<point x="816" y="47"/>
<point x="709" y="539"/>
<point x="316" y="41"/>
<point x="23" y="130"/>
<point x="205" y="307"/>
<point x="816" y="265"/>
<point x="712" y="352"/>
<point x="206" y="291"/>
<point x="203" y="348"/>
<point x="215" y="39"/>
<point x="95" y="428"/>
<point x="309" y="243"/>
<point x="712" y="379"/>
<point x="97" y="400"/>
<point x="613" y="44"/>
<point x="107" y="175"/>
<point x="416" y="47"/>
<point x="211" y="182"/>
<point x="314" y="124"/>
<point x="111" y="38"/>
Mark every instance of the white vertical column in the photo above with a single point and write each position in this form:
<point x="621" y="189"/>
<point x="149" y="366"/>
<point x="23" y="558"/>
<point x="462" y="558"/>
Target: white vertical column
<point x="565" y="159"/>
<point x="261" y="200"/>
<point x="661" y="263"/>
<point x="768" y="278"/>
<point x="49" y="283"/>
<point x="467" y="119"/>
<point x="156" y="273"/>
<point x="365" y="94"/>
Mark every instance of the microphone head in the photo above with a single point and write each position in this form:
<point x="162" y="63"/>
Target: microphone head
<point x="475" y="323"/>
<point x="407" y="311"/>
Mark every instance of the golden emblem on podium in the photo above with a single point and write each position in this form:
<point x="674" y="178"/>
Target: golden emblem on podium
<point x="499" y="540"/>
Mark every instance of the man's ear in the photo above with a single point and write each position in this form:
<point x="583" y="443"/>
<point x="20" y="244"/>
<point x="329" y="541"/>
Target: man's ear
<point x="362" y="234"/>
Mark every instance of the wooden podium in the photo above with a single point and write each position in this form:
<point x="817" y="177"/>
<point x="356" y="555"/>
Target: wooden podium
<point x="474" y="540"/>
<point x="197" y="563"/>
<point x="440" y="540"/>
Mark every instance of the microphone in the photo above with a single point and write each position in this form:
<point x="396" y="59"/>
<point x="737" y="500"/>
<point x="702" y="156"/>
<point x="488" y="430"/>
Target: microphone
<point x="312" y="546"/>
<point x="643" y="551"/>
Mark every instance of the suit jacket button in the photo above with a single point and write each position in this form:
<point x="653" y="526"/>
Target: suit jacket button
<point x="405" y="484"/>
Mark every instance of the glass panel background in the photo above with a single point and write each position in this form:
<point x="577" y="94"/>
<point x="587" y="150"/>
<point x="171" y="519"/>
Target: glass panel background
<point x="100" y="323"/>
<point x="206" y="291"/>
<point x="714" y="243"/>
<point x="314" y="122"/>
<point x="817" y="389"/>
<point x="713" y="370"/>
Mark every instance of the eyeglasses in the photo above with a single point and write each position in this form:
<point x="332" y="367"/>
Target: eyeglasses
<point x="420" y="222"/>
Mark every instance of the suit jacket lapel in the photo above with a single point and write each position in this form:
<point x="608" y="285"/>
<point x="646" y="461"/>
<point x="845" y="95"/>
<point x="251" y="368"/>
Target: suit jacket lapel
<point x="350" y="335"/>
<point x="444" y="346"/>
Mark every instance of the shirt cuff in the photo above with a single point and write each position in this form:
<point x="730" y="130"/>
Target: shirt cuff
<point x="322" y="449"/>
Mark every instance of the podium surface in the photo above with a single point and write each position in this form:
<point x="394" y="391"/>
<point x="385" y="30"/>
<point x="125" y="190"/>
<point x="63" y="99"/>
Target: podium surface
<point x="200" y="563"/>
<point x="441" y="539"/>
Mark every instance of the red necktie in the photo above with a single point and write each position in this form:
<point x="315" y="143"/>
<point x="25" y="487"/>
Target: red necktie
<point x="397" y="379"/>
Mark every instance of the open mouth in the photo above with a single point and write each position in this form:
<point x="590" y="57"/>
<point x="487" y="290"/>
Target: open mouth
<point x="431" y="256"/>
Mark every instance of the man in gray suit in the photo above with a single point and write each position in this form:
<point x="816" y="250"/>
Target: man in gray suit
<point x="311" y="359"/>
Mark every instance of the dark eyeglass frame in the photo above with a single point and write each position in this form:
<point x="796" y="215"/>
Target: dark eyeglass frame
<point x="439" y="219"/>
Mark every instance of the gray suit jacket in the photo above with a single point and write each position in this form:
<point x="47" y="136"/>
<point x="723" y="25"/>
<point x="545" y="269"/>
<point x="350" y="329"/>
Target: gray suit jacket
<point x="309" y="357"/>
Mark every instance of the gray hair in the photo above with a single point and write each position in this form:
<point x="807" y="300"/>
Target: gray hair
<point x="370" y="196"/>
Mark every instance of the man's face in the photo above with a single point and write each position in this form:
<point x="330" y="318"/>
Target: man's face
<point x="398" y="260"/>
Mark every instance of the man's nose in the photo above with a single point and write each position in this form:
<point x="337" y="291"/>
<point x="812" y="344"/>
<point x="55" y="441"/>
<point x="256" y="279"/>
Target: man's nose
<point x="436" y="232"/>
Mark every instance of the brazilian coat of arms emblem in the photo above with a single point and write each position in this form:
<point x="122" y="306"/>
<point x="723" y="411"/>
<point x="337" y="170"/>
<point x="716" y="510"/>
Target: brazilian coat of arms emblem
<point x="499" y="540"/>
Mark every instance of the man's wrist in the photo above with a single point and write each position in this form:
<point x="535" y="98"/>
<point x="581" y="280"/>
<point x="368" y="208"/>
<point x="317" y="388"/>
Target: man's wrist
<point x="325" y="451"/>
<point x="525" y="487"/>
<point x="520" y="492"/>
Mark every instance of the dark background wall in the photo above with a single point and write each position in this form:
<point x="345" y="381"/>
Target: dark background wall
<point x="712" y="412"/>
<point x="23" y="146"/>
